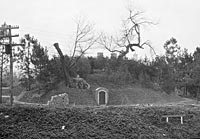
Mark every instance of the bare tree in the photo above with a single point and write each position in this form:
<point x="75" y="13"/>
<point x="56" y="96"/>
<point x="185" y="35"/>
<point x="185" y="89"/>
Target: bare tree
<point x="85" y="38"/>
<point x="130" y="37"/>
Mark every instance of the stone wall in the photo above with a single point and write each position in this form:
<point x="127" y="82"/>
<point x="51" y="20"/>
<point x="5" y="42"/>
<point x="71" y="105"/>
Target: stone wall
<point x="59" y="101"/>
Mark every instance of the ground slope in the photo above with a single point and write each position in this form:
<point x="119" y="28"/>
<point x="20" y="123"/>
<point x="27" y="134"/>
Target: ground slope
<point x="124" y="94"/>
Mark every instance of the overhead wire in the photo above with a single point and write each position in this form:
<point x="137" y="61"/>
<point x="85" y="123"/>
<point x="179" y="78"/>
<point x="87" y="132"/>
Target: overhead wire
<point x="46" y="35"/>
<point x="45" y="31"/>
<point x="47" y="38"/>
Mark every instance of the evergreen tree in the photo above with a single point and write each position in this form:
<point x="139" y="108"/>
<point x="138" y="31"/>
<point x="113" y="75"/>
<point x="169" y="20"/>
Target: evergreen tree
<point x="32" y="59"/>
<point x="39" y="59"/>
<point x="24" y="62"/>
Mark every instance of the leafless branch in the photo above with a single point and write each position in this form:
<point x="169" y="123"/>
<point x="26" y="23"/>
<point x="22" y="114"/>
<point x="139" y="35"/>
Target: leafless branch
<point x="148" y="44"/>
<point x="84" y="40"/>
<point x="131" y="35"/>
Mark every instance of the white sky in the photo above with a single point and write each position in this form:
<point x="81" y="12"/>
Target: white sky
<point x="52" y="21"/>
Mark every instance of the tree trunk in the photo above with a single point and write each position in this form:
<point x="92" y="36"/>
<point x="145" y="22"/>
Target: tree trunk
<point x="63" y="64"/>
<point x="29" y="85"/>
<point x="123" y="54"/>
<point x="1" y="91"/>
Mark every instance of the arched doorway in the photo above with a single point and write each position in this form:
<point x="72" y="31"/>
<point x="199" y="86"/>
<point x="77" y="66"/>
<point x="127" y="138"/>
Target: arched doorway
<point x="102" y="98"/>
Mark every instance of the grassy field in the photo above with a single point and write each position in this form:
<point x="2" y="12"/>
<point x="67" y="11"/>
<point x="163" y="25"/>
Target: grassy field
<point x="122" y="122"/>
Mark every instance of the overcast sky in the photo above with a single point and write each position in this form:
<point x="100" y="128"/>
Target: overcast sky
<point x="52" y="21"/>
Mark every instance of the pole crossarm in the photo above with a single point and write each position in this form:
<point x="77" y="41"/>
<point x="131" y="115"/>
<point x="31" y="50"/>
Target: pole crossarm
<point x="9" y="27"/>
<point x="6" y="36"/>
<point x="13" y="44"/>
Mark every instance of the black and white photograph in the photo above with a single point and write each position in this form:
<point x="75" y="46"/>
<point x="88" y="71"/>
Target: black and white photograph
<point x="99" y="69"/>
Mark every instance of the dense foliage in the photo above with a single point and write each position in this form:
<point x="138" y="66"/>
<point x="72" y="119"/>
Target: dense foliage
<point x="175" y="70"/>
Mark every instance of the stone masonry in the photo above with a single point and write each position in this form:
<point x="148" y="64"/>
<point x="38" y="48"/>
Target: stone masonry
<point x="59" y="101"/>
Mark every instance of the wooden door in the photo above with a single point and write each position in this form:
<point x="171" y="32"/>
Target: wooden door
<point x="102" y="98"/>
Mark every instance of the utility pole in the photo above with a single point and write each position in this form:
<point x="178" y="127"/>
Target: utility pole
<point x="2" y="53"/>
<point x="11" y="67"/>
<point x="9" y="51"/>
<point x="11" y="62"/>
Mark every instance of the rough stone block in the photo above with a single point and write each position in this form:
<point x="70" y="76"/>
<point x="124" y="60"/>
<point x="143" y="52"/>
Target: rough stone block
<point x="59" y="101"/>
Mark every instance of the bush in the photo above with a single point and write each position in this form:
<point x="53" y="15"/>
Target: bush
<point x="83" y="67"/>
<point x="121" y="76"/>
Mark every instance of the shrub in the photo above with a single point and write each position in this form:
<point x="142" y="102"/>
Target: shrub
<point x="83" y="67"/>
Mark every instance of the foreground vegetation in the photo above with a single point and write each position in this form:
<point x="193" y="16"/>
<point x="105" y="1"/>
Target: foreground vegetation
<point x="99" y="123"/>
